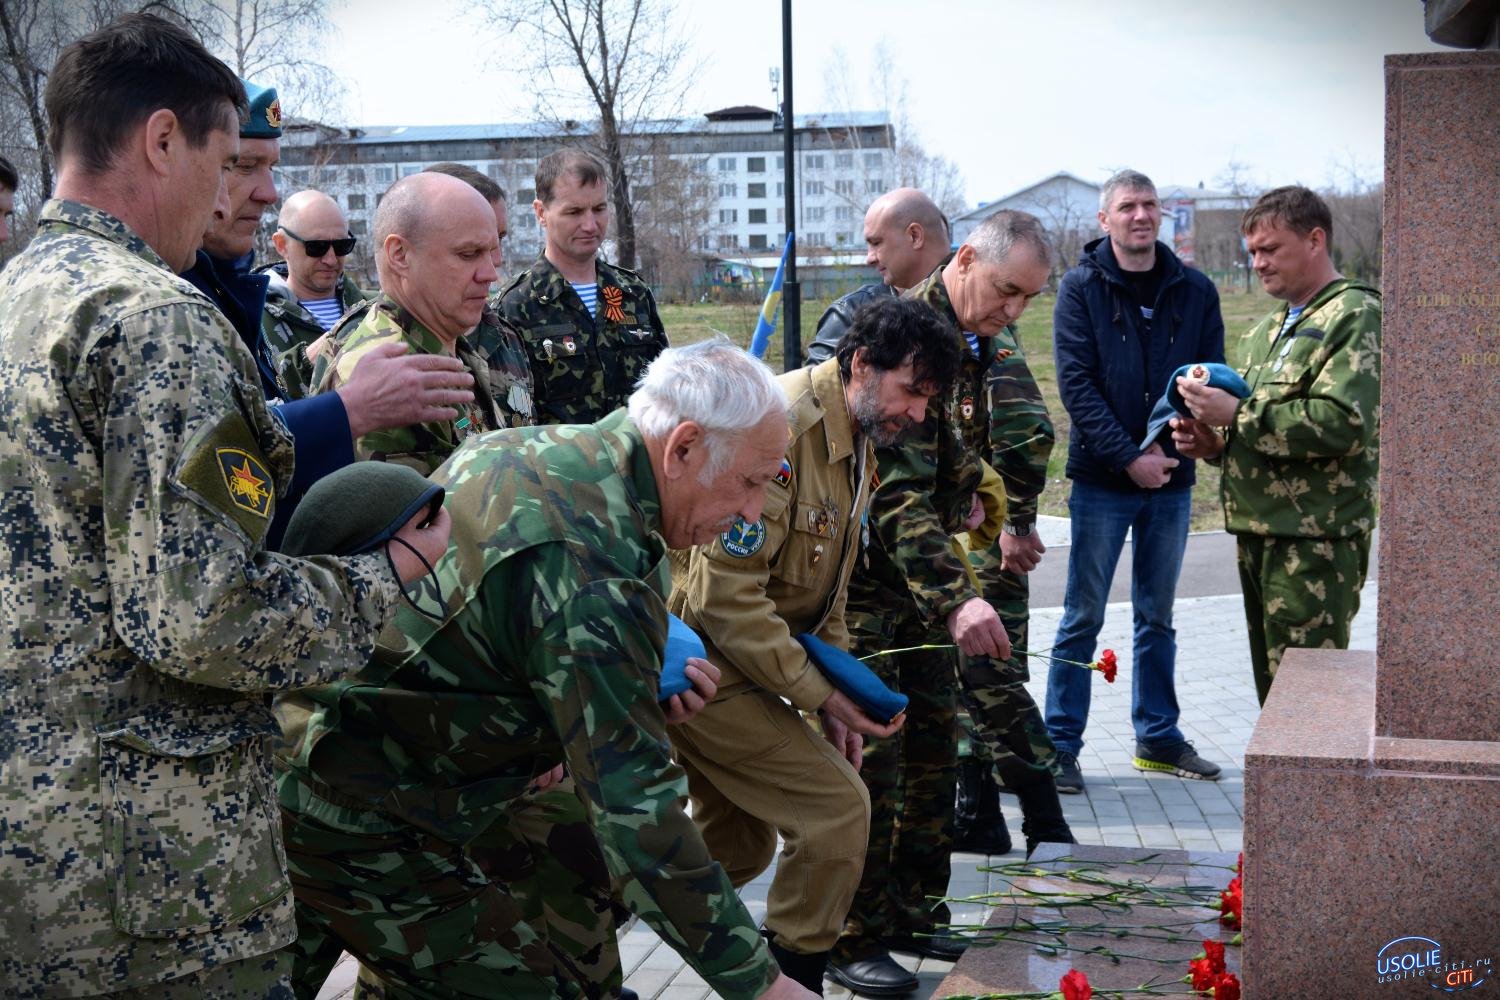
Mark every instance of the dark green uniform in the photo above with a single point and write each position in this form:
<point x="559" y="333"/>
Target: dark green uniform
<point x="583" y="366"/>
<point x="999" y="710"/>
<point x="554" y="624"/>
<point x="288" y="328"/>
<point x="1300" y="466"/>
<point x="913" y="581"/>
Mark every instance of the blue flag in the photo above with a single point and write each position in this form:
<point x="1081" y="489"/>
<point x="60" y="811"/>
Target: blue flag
<point x="772" y="306"/>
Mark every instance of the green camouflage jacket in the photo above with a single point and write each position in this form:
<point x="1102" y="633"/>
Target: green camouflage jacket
<point x="927" y="482"/>
<point x="422" y="446"/>
<point x="554" y="591"/>
<point x="583" y="368"/>
<point x="144" y="622"/>
<point x="500" y="345"/>
<point x="288" y="328"/>
<point x="1302" y="454"/>
<point x="1021" y="431"/>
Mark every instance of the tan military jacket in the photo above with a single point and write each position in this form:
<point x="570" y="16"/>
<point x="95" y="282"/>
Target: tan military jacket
<point x="750" y="592"/>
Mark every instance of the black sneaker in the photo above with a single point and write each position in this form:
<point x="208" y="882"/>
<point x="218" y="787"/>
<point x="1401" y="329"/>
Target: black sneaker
<point x="1066" y="774"/>
<point x="1185" y="763"/>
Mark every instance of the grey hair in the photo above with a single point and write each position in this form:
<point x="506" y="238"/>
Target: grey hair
<point x="1130" y="180"/>
<point x="714" y="384"/>
<point x="995" y="236"/>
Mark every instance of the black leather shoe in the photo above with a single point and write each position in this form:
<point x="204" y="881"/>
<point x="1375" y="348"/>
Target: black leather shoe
<point x="629" y="994"/>
<point x="942" y="946"/>
<point x="879" y="976"/>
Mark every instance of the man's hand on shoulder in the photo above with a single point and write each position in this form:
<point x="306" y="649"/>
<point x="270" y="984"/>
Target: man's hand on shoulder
<point x="1195" y="439"/>
<point x="978" y="631"/>
<point x="704" y="677"/>
<point x="1152" y="469"/>
<point x="389" y="388"/>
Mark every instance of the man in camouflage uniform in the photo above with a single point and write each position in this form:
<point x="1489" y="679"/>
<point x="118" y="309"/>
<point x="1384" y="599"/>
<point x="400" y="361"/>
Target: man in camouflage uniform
<point x="906" y="239"/>
<point x="435" y="256"/>
<point x="1300" y="454"/>
<point x="755" y="769"/>
<point x="548" y="649"/>
<point x="142" y="854"/>
<point x="387" y="390"/>
<point x="590" y="327"/>
<point x="306" y="293"/>
<point x="916" y="585"/>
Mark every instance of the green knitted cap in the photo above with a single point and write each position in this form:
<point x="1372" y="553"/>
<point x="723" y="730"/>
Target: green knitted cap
<point x="358" y="508"/>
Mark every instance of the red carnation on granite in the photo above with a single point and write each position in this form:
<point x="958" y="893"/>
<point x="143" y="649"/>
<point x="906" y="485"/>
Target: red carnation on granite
<point x="1226" y="987"/>
<point x="1213" y="953"/>
<point x="1202" y="975"/>
<point x="1239" y="867"/>
<point x="1106" y="665"/>
<point x="1232" y="903"/>
<point x="1075" y="986"/>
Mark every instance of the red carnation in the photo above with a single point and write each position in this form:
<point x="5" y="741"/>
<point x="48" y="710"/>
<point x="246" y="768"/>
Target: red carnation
<point x="1232" y="903"/>
<point x="1239" y="867"/>
<point x="1226" y="987"/>
<point x="1075" y="986"/>
<point x="1203" y="975"/>
<point x="1213" y="951"/>
<point x="1107" y="665"/>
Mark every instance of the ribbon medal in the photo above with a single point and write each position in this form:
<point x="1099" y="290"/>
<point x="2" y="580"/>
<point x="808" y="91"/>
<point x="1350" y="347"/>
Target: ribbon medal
<point x="614" y="299"/>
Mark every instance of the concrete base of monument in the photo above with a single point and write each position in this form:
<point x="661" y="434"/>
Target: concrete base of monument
<point x="1117" y="945"/>
<point x="1372" y="863"/>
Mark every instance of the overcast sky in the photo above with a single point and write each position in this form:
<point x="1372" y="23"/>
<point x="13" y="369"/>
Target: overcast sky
<point x="1010" y="90"/>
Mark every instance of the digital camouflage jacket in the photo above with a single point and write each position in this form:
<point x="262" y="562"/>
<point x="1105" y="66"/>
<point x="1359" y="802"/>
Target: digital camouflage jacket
<point x="1302" y="454"/>
<point x="144" y="622"/>
<point x="554" y="619"/>
<point x="583" y="368"/>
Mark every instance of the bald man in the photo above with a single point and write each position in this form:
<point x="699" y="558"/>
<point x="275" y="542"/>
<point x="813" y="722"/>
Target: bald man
<point x="906" y="239"/>
<point x="435" y="254"/>
<point x="308" y="289"/>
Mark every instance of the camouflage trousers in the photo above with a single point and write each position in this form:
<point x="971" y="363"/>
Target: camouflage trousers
<point x="911" y="780"/>
<point x="265" y="977"/>
<point x="428" y="920"/>
<point x="1301" y="592"/>
<point x="1000" y="721"/>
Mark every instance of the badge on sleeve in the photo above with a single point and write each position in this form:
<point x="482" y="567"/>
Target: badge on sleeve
<point x="784" y="475"/>
<point x="247" y="480"/>
<point x="744" y="540"/>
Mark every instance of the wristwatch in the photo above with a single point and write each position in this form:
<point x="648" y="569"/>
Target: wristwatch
<point x="1017" y="530"/>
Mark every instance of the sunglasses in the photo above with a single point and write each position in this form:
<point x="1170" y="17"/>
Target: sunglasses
<point x="317" y="248"/>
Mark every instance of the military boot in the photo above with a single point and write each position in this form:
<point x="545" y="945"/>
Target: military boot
<point x="978" y="824"/>
<point x="806" y="970"/>
<point x="1042" y="818"/>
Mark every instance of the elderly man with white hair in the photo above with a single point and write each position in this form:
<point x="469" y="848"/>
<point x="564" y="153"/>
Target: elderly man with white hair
<point x="542" y="643"/>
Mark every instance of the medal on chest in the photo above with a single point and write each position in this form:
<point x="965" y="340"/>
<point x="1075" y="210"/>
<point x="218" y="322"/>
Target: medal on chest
<point x="614" y="302"/>
<point x="966" y="407"/>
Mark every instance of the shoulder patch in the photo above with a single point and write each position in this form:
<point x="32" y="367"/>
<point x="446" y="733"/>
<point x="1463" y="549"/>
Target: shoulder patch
<point x="248" y="482"/>
<point x="744" y="540"/>
<point x="784" y="476"/>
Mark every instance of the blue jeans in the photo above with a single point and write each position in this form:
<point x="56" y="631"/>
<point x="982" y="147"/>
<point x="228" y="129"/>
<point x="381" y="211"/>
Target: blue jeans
<point x="1101" y="517"/>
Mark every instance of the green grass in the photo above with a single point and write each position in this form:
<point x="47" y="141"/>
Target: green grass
<point x="690" y="323"/>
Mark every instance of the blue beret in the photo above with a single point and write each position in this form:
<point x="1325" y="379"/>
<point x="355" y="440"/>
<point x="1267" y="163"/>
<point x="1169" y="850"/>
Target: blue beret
<point x="682" y="642"/>
<point x="264" y="119"/>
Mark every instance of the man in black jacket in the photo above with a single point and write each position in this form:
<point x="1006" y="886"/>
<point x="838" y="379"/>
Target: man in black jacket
<point x="1127" y="316"/>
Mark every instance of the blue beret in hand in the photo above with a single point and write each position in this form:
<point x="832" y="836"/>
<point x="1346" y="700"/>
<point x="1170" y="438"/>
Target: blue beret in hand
<point x="1171" y="404"/>
<point x="855" y="680"/>
<point x="682" y="642"/>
